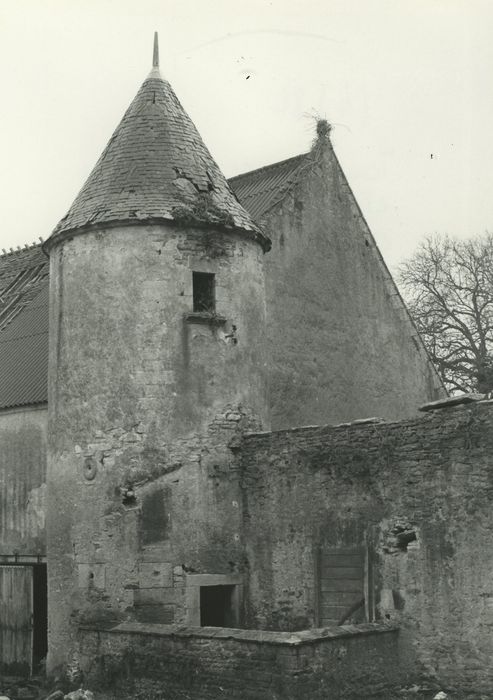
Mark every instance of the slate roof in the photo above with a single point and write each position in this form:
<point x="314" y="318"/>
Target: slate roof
<point x="23" y="327"/>
<point x="259" y="190"/>
<point x="157" y="167"/>
<point x="24" y="292"/>
<point x="24" y="289"/>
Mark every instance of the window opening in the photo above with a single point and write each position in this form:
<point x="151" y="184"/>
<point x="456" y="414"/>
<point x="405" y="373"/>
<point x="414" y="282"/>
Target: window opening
<point x="216" y="606"/>
<point x="204" y="297"/>
<point x="155" y="516"/>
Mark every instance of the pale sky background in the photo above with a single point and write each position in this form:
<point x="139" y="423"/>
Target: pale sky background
<point x="400" y="80"/>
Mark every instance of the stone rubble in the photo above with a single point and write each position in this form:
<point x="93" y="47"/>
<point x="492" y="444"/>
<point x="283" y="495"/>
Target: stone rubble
<point x="13" y="688"/>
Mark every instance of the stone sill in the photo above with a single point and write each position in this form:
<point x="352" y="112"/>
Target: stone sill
<point x="204" y="317"/>
<point x="289" y="639"/>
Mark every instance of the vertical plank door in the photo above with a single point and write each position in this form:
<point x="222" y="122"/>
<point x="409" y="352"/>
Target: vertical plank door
<point x="341" y="572"/>
<point x="16" y="616"/>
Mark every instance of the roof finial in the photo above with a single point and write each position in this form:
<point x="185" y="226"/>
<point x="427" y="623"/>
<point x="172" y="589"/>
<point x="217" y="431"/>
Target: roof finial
<point x="155" y="55"/>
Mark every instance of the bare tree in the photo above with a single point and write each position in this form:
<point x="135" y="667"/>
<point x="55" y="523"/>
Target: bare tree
<point x="448" y="285"/>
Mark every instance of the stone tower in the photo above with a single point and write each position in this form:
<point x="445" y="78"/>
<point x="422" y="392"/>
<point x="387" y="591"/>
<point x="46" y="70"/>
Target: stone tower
<point x="157" y="316"/>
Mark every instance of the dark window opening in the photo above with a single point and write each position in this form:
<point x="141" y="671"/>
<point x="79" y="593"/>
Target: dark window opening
<point x="155" y="517"/>
<point x="404" y="538"/>
<point x="216" y="606"/>
<point x="40" y="616"/>
<point x="128" y="496"/>
<point x="204" y="297"/>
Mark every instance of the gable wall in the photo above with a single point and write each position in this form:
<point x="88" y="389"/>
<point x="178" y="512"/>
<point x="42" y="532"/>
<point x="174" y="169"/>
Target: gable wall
<point x="340" y="342"/>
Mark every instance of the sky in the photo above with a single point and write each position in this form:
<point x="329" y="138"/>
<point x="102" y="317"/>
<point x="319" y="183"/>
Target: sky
<point x="406" y="84"/>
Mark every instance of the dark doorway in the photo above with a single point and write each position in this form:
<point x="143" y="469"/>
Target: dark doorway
<point x="40" y="615"/>
<point x="23" y="618"/>
<point x="216" y="606"/>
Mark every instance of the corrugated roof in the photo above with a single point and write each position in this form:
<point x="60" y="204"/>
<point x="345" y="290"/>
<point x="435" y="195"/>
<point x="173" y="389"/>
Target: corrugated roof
<point x="259" y="190"/>
<point x="22" y="273"/>
<point x="23" y="327"/>
<point x="24" y="353"/>
<point x="156" y="166"/>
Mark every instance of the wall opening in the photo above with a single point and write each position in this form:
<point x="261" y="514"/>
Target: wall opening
<point x="40" y="616"/>
<point x="404" y="537"/>
<point x="204" y="291"/>
<point x="217" y="607"/>
<point x="155" y="516"/>
<point x="23" y="618"/>
<point x="399" y="538"/>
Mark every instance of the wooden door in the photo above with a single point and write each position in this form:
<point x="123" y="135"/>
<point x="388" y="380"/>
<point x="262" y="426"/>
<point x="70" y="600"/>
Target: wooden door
<point x="16" y="618"/>
<point x="341" y="585"/>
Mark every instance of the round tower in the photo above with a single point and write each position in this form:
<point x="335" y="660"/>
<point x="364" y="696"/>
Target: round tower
<point x="157" y="316"/>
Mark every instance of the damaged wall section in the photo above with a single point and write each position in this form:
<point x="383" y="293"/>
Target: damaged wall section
<point x="416" y="495"/>
<point x="23" y="481"/>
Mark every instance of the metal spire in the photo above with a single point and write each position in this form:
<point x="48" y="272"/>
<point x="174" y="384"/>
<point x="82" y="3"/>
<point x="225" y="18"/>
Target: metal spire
<point x="155" y="55"/>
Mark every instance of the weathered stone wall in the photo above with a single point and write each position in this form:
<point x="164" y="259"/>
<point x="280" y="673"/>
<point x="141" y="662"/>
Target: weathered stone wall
<point x="417" y="494"/>
<point x="23" y="481"/>
<point x="208" y="663"/>
<point x="144" y="401"/>
<point x="340" y="343"/>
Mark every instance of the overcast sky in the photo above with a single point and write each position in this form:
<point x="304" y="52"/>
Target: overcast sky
<point x="407" y="84"/>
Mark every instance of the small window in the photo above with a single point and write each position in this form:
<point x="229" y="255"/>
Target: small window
<point x="204" y="297"/>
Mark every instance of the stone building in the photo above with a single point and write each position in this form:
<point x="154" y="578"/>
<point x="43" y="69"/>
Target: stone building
<point x="156" y="485"/>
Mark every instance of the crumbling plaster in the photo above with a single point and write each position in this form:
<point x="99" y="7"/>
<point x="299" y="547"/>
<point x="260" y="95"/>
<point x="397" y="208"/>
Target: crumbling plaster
<point x="23" y="481"/>
<point x="144" y="400"/>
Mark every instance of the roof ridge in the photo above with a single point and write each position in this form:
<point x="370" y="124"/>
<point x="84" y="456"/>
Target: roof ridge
<point x="24" y="249"/>
<point x="263" y="168"/>
<point x="21" y="337"/>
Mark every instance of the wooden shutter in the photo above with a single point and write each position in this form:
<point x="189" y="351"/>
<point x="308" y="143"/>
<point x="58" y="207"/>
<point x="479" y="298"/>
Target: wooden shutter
<point x="341" y="583"/>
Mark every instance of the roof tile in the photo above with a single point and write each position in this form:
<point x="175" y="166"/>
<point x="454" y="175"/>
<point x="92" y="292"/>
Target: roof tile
<point x="259" y="190"/>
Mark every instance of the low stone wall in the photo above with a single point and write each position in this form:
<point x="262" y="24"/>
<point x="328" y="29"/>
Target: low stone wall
<point x="207" y="663"/>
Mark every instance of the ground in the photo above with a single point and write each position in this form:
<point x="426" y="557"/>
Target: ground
<point x="38" y="688"/>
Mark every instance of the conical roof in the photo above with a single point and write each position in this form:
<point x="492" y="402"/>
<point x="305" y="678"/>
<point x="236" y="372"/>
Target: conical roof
<point x="156" y="167"/>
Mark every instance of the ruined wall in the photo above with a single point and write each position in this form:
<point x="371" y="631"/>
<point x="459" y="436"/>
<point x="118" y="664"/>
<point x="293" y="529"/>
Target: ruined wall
<point x="205" y="664"/>
<point x="23" y="481"/>
<point x="417" y="494"/>
<point x="144" y="400"/>
<point x="340" y="343"/>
